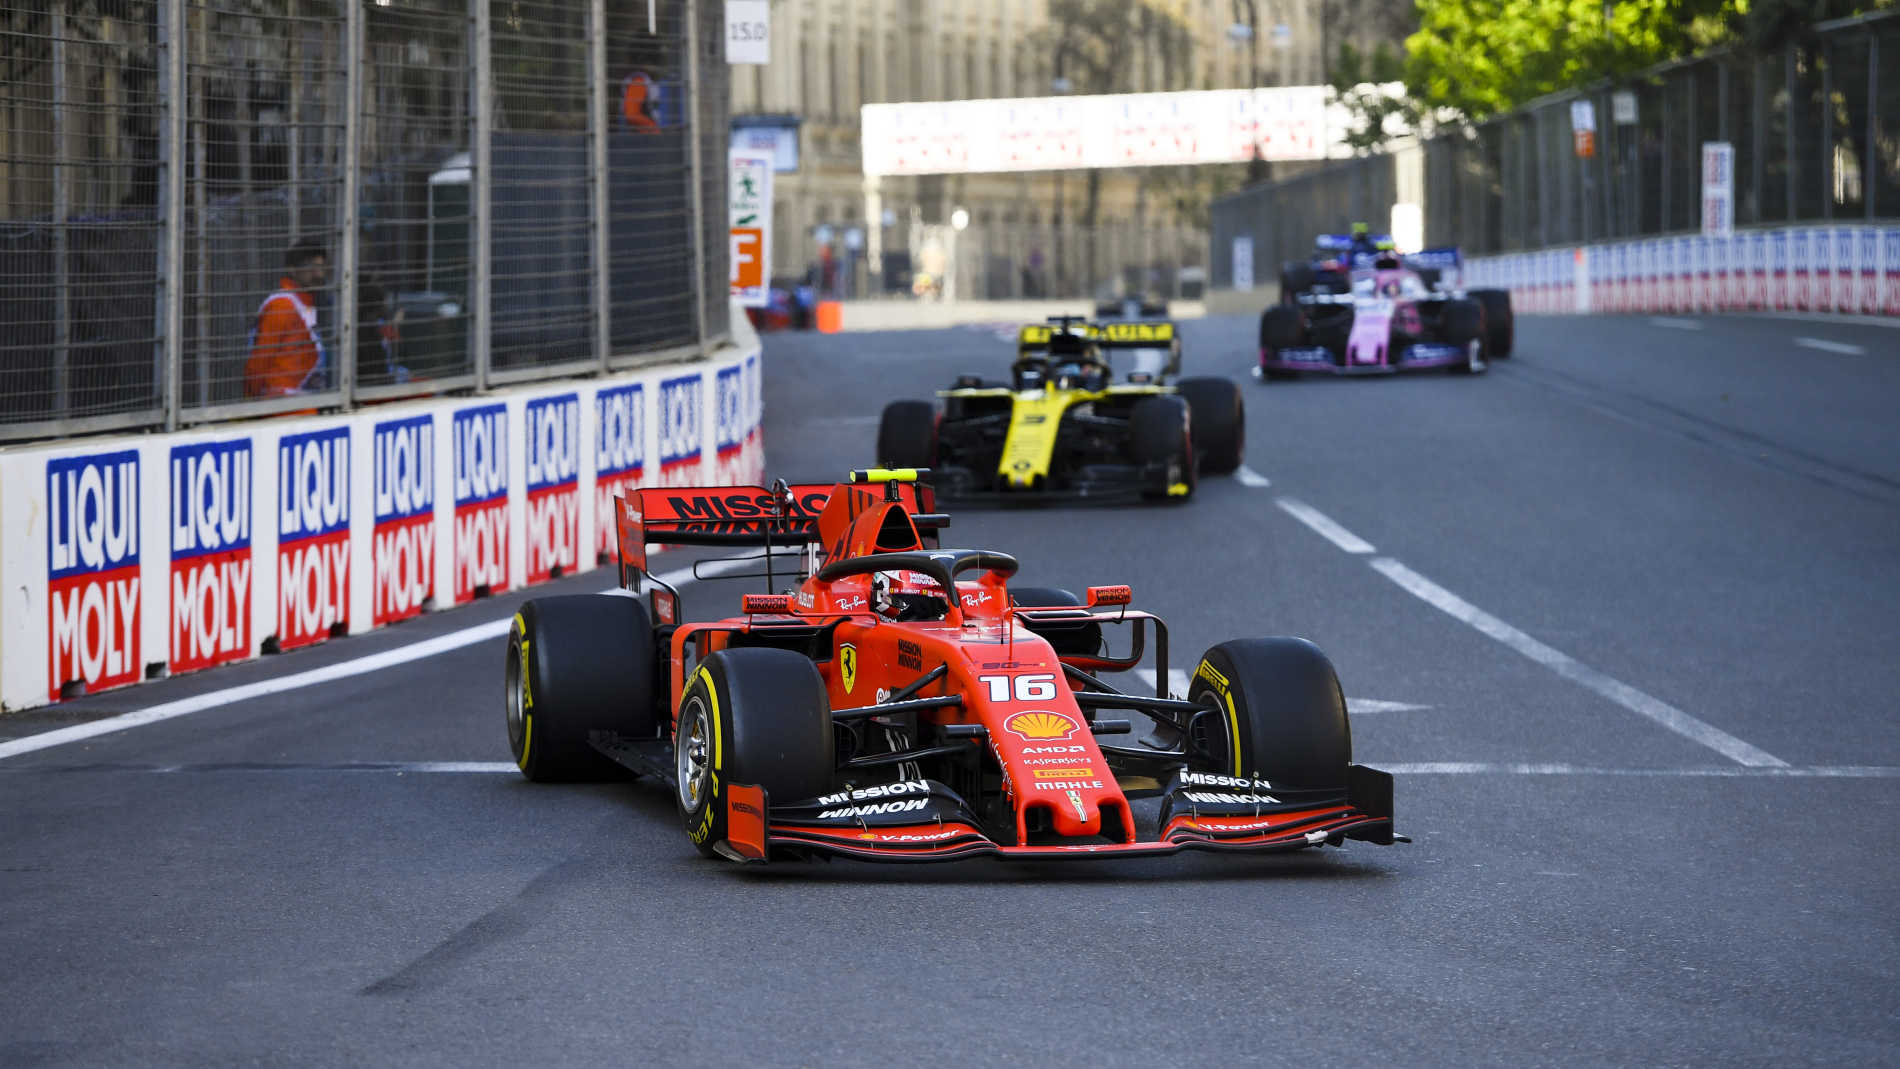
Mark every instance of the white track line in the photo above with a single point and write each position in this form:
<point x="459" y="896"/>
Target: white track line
<point x="198" y="703"/>
<point x="1844" y="348"/>
<point x="1673" y="323"/>
<point x="1323" y="525"/>
<point x="1373" y="705"/>
<point x="1250" y="477"/>
<point x="1178" y="687"/>
<point x="1492" y="768"/>
<point x="1564" y="665"/>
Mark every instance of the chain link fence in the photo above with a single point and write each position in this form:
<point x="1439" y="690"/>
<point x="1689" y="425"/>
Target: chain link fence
<point x="1815" y="127"/>
<point x="490" y="190"/>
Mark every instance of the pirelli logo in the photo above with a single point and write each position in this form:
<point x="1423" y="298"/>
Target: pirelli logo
<point x="1064" y="773"/>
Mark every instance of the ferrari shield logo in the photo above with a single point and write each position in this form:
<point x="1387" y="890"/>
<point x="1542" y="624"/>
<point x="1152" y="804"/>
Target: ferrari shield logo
<point x="848" y="666"/>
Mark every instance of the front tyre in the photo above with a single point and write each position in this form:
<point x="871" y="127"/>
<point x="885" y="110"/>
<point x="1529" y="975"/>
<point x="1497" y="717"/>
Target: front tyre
<point x="753" y="716"/>
<point x="1277" y="714"/>
<point x="1500" y="323"/>
<point x="1219" y="422"/>
<point x="576" y="665"/>
<point x="907" y="435"/>
<point x="1159" y="445"/>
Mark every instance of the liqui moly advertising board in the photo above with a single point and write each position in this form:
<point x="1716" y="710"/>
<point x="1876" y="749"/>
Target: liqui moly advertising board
<point x="92" y="569"/>
<point x="402" y="537"/>
<point x="554" y="488"/>
<point x="313" y="536"/>
<point x="1890" y="267"/>
<point x="620" y="448"/>
<point x="1868" y="241"/>
<point x="679" y="423"/>
<point x="481" y="500"/>
<point x="1780" y="281"/>
<point x="212" y="570"/>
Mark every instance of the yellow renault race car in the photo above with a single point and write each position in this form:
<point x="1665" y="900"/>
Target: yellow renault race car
<point x="1063" y="427"/>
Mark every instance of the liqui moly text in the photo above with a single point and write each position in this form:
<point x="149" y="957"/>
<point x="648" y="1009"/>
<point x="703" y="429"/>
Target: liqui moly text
<point x="313" y="536"/>
<point x="212" y="570"/>
<point x="554" y="494"/>
<point x="620" y="446"/>
<point x="480" y="466"/>
<point x="402" y="540"/>
<point x="92" y="568"/>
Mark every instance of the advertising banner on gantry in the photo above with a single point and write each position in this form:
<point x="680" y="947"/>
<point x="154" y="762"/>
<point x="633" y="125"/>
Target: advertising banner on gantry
<point x="1119" y="130"/>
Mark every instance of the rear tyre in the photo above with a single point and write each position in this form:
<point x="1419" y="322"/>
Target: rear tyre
<point x="907" y="435"/>
<point x="1068" y="638"/>
<point x="753" y="716"/>
<point x="1158" y="441"/>
<point x="1295" y="278"/>
<point x="1279" y="716"/>
<point x="577" y="664"/>
<point x="1218" y="421"/>
<point x="1500" y="323"/>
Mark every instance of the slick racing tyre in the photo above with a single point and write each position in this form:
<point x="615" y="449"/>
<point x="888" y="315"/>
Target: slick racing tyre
<point x="1500" y="325"/>
<point x="907" y="435"/>
<point x="1295" y="278"/>
<point x="1462" y="324"/>
<point x="577" y="664"/>
<point x="1278" y="713"/>
<point x="754" y="716"/>
<point x="1282" y="326"/>
<point x="1158" y="440"/>
<point x="1218" y="420"/>
<point x="1069" y="638"/>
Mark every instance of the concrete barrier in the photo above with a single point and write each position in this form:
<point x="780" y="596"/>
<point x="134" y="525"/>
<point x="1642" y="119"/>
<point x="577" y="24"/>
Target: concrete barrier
<point x="133" y="557"/>
<point x="1839" y="270"/>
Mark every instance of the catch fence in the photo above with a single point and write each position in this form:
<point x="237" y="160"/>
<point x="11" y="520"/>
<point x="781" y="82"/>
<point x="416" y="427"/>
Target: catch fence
<point x="1814" y="124"/>
<point x="501" y="189"/>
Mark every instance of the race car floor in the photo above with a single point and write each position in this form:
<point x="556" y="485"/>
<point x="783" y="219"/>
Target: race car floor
<point x="1620" y="614"/>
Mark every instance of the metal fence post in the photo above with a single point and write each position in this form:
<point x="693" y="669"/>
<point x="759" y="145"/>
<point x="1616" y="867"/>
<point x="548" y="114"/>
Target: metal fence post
<point x="62" y="212"/>
<point x="1827" y="130"/>
<point x="597" y="171"/>
<point x="1870" y="167"/>
<point x="693" y="172"/>
<point x="481" y="267"/>
<point x="171" y="265"/>
<point x="1787" y="127"/>
<point x="348" y="243"/>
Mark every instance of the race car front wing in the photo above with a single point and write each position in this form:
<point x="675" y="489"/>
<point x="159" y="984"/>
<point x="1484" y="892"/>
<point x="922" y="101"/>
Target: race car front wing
<point x="923" y="820"/>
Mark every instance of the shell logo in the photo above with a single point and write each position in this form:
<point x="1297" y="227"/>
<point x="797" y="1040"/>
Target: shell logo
<point x="1041" y="726"/>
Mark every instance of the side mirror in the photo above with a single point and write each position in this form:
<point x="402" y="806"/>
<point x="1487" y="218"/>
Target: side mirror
<point x="1110" y="595"/>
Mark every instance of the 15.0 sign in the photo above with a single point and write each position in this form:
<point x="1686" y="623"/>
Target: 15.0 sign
<point x="748" y="31"/>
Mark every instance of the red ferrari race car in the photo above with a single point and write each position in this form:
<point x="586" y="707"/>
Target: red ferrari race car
<point x="890" y="709"/>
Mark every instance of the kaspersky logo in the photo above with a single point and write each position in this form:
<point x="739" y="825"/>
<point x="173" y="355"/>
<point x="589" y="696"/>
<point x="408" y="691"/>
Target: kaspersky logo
<point x="1041" y="725"/>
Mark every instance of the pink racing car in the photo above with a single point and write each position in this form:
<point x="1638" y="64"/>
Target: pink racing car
<point x="1392" y="320"/>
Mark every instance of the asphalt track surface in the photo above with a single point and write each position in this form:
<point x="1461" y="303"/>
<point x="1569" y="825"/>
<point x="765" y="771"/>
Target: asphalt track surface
<point x="1621" y="616"/>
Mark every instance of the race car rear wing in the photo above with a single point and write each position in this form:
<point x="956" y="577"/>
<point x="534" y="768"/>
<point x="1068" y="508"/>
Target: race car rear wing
<point x="784" y="516"/>
<point x="1141" y="334"/>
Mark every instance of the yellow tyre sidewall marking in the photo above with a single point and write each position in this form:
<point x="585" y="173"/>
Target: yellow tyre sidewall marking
<point x="527" y="695"/>
<point x="704" y="830"/>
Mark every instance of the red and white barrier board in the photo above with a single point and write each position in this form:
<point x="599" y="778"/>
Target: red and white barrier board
<point x="1843" y="270"/>
<point x="128" y="558"/>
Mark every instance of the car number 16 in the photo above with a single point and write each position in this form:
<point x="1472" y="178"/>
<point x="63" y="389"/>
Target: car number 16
<point x="1039" y="687"/>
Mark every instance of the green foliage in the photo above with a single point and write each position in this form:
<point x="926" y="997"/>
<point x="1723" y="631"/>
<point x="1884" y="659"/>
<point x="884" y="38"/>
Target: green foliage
<point x="1356" y="78"/>
<point x="1481" y="57"/>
